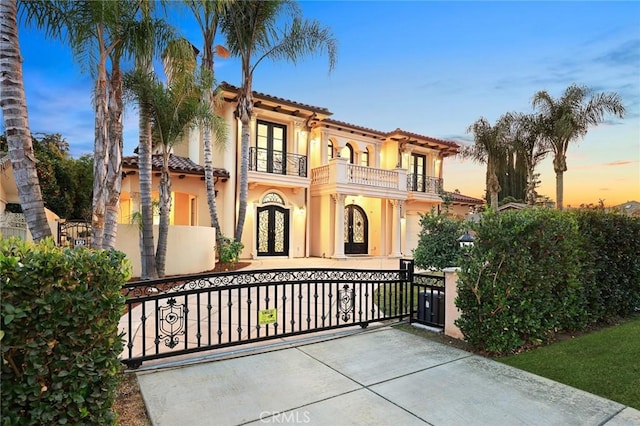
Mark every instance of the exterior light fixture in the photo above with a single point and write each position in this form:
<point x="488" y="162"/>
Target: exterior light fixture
<point x="466" y="240"/>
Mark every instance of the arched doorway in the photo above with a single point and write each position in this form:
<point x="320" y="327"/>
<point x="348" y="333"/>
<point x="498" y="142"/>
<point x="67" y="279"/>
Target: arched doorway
<point x="356" y="230"/>
<point x="273" y="227"/>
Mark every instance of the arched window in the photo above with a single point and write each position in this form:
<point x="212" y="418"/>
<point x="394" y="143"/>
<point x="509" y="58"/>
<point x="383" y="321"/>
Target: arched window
<point x="364" y="158"/>
<point x="272" y="198"/>
<point x="329" y="150"/>
<point x="348" y="152"/>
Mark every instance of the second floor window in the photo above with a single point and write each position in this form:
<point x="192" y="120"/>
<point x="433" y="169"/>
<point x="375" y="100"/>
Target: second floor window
<point x="417" y="171"/>
<point x="329" y="150"/>
<point x="364" y="158"/>
<point x="271" y="147"/>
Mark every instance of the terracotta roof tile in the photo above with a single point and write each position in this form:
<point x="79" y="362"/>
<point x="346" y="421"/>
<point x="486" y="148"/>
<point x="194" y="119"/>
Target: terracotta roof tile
<point x="177" y="164"/>
<point x="465" y="199"/>
<point x="231" y="88"/>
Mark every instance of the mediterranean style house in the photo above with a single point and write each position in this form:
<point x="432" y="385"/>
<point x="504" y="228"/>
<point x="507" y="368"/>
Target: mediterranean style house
<point x="318" y="187"/>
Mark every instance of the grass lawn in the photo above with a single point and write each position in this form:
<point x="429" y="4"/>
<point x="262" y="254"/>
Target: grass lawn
<point x="605" y="362"/>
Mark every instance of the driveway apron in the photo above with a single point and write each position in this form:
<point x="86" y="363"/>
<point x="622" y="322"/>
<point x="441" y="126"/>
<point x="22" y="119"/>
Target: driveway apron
<point x="378" y="377"/>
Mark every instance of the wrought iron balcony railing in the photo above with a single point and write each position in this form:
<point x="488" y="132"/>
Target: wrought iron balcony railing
<point x="277" y="162"/>
<point x="421" y="183"/>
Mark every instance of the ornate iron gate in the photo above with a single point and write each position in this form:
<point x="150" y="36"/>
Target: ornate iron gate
<point x="169" y="317"/>
<point x="74" y="233"/>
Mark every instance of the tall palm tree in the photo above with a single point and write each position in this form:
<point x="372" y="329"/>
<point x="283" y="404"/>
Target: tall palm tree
<point x="489" y="148"/>
<point x="529" y="142"/>
<point x="568" y="119"/>
<point x="16" y="122"/>
<point x="253" y="33"/>
<point x="208" y="14"/>
<point x="172" y="110"/>
<point x="149" y="37"/>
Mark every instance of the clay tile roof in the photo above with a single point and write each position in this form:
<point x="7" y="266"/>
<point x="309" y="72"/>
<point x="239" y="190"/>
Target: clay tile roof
<point x="231" y="88"/>
<point x="464" y="199"/>
<point x="350" y="126"/>
<point x="400" y="132"/>
<point x="177" y="164"/>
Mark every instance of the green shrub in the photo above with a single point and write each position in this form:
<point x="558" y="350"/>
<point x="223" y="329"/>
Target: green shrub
<point x="521" y="283"/>
<point x="438" y="245"/>
<point x="60" y="313"/>
<point x="229" y="250"/>
<point x="612" y="247"/>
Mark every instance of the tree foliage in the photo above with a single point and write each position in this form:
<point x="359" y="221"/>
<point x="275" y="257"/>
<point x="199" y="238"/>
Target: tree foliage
<point x="66" y="182"/>
<point x="438" y="245"/>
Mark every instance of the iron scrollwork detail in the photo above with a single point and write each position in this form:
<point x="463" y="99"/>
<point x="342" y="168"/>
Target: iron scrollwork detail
<point x="347" y="300"/>
<point x="171" y="322"/>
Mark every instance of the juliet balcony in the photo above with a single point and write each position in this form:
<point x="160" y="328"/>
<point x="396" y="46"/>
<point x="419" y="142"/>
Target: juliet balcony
<point x="272" y="167"/>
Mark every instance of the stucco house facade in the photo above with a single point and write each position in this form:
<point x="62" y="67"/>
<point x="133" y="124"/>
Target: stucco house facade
<point x="318" y="187"/>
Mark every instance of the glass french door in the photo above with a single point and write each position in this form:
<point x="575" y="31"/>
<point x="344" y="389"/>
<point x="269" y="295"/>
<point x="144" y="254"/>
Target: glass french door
<point x="356" y="230"/>
<point x="273" y="231"/>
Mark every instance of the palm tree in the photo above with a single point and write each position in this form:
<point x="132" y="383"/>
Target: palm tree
<point x="173" y="110"/>
<point x="208" y="14"/>
<point x="568" y="119"/>
<point x="253" y="34"/>
<point x="149" y="36"/>
<point x="489" y="148"/>
<point x="529" y="142"/>
<point x="16" y="122"/>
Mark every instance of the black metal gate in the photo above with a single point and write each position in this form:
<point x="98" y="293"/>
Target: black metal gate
<point x="169" y="317"/>
<point x="74" y="233"/>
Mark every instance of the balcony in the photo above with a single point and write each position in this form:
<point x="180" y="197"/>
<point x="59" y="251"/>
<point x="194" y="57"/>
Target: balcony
<point x="276" y="162"/>
<point x="420" y="183"/>
<point x="340" y="176"/>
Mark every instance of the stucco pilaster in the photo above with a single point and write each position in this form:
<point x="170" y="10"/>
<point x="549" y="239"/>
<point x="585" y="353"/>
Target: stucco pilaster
<point x="396" y="228"/>
<point x="338" y="248"/>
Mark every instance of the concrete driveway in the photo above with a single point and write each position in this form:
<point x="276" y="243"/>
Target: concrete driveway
<point x="377" y="377"/>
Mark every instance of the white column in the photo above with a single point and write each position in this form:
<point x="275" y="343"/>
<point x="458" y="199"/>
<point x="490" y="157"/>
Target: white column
<point x="395" y="229"/>
<point x="338" y="244"/>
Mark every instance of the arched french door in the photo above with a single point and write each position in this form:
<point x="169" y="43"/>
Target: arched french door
<point x="356" y="230"/>
<point x="273" y="231"/>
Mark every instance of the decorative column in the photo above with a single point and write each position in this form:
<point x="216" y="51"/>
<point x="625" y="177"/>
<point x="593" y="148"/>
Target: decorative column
<point x="395" y="228"/>
<point x="338" y="243"/>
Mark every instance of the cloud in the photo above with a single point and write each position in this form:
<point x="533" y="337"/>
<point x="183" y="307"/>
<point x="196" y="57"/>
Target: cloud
<point x="622" y="55"/>
<point x="620" y="163"/>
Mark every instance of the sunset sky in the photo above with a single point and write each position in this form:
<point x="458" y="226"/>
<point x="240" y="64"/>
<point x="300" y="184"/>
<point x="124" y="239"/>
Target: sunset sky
<point x="427" y="67"/>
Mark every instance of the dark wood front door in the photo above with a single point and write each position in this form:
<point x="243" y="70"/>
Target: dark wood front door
<point x="356" y="230"/>
<point x="273" y="231"/>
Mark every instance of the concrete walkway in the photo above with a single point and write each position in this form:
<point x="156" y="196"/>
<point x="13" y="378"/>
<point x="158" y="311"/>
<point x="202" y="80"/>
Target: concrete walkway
<point x="378" y="377"/>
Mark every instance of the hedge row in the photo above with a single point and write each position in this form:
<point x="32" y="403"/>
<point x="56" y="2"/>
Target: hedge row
<point x="60" y="343"/>
<point x="537" y="272"/>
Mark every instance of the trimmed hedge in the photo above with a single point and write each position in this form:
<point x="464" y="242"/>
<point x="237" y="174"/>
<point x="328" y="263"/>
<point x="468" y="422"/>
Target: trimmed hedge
<point x="537" y="272"/>
<point x="60" y="348"/>
<point x="612" y="263"/>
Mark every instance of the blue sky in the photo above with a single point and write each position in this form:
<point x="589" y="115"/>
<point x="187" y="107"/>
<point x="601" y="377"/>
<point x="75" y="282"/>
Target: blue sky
<point x="427" y="67"/>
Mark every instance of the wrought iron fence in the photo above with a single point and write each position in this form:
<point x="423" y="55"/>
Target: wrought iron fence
<point x="167" y="317"/>
<point x="428" y="299"/>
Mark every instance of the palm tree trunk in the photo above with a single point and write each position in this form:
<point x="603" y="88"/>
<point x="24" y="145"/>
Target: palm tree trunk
<point x="114" y="166"/>
<point x="165" y="210"/>
<point x="559" y="166"/>
<point x="559" y="189"/>
<point x="100" y="153"/>
<point x="147" y="254"/>
<point x="244" y="109"/>
<point x="16" y="121"/>
<point x="208" y="172"/>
